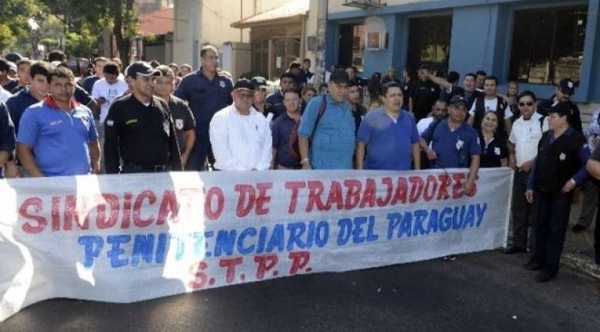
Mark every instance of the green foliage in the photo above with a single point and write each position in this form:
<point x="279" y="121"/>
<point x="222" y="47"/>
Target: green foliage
<point x="7" y="39"/>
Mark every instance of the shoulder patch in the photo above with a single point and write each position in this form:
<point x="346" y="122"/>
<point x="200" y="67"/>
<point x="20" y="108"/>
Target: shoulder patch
<point x="110" y="123"/>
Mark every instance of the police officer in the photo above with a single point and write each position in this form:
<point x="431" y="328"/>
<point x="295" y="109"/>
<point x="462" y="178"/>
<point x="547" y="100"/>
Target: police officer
<point x="558" y="168"/>
<point x="139" y="128"/>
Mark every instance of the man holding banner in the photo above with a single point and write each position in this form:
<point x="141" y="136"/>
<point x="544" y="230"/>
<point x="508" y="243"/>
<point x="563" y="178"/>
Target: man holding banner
<point x="57" y="137"/>
<point x="558" y="168"/>
<point x="455" y="144"/>
<point x="240" y="135"/>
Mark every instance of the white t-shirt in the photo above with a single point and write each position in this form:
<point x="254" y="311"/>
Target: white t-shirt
<point x="109" y="92"/>
<point x="491" y="105"/>
<point x="4" y="95"/>
<point x="423" y="124"/>
<point x="525" y="135"/>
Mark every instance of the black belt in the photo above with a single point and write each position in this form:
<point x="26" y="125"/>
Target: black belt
<point x="153" y="168"/>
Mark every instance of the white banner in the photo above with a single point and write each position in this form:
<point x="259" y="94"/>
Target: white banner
<point x="126" y="238"/>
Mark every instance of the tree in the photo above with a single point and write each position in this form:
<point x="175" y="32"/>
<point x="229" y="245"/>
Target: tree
<point x="14" y="18"/>
<point x="90" y="18"/>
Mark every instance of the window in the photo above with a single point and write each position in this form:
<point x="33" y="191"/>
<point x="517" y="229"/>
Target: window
<point x="352" y="43"/>
<point x="547" y="44"/>
<point x="429" y="41"/>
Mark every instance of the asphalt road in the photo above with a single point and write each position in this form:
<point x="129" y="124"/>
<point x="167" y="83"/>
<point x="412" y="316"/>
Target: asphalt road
<point x="478" y="292"/>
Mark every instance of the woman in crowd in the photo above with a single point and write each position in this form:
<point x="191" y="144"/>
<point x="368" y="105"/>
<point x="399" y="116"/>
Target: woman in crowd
<point x="494" y="149"/>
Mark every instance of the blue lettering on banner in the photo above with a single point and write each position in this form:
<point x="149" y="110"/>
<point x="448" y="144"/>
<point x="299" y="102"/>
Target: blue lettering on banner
<point x="92" y="246"/>
<point x="116" y="250"/>
<point x="355" y="229"/>
<point x="409" y="223"/>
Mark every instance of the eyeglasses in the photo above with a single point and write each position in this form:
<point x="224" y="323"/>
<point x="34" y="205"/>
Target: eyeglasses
<point x="525" y="103"/>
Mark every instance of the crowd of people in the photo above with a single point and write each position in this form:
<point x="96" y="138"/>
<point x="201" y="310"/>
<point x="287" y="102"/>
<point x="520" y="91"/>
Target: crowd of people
<point x="153" y="118"/>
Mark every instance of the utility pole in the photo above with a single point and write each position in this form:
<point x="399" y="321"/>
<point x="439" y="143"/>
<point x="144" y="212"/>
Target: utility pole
<point x="196" y="26"/>
<point x="321" y="34"/>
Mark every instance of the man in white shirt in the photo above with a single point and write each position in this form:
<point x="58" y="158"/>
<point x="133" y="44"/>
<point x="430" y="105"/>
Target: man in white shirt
<point x="439" y="111"/>
<point x="240" y="135"/>
<point x="523" y="144"/>
<point x="490" y="102"/>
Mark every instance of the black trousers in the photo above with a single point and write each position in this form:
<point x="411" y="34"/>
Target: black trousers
<point x="553" y="210"/>
<point x="523" y="214"/>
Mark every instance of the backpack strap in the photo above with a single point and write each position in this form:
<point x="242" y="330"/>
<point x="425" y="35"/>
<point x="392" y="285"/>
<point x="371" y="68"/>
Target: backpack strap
<point x="322" y="108"/>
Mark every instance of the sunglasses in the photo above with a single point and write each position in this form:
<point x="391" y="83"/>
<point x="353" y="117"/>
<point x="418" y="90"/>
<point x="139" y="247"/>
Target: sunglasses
<point x="527" y="103"/>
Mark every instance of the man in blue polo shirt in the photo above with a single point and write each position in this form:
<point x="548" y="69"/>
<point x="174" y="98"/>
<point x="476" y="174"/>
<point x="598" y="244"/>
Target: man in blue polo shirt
<point x="207" y="91"/>
<point x="58" y="136"/>
<point x="455" y="144"/>
<point x="388" y="135"/>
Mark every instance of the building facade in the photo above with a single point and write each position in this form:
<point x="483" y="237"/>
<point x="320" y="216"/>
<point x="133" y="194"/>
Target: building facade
<point x="535" y="43"/>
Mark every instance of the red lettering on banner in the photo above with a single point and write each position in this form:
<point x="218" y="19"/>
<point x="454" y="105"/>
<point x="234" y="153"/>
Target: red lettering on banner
<point x="295" y="187"/>
<point x="389" y="186"/>
<point x="444" y="184"/>
<point x="36" y="204"/>
<point x="246" y="197"/>
<point x="71" y="214"/>
<point x="353" y="194"/>
<point x="126" y="220"/>
<point x="200" y="278"/>
<point x="335" y="196"/>
<point x="430" y="188"/>
<point x="169" y="207"/>
<point x="315" y="189"/>
<point x="265" y="264"/>
<point x="137" y="207"/>
<point x="55" y="213"/>
<point x="209" y="212"/>
<point x="368" y="197"/>
<point x="263" y="199"/>
<point x="401" y="191"/>
<point x="457" y="188"/>
<point x="101" y="221"/>
<point x="416" y="188"/>
<point x="300" y="260"/>
<point x="229" y="264"/>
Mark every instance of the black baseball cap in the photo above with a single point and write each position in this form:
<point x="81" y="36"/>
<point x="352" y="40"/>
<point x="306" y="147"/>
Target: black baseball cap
<point x="258" y="81"/>
<point x="243" y="84"/>
<point x="140" y="68"/>
<point x="567" y="86"/>
<point x="339" y="76"/>
<point x="457" y="100"/>
<point x="562" y="108"/>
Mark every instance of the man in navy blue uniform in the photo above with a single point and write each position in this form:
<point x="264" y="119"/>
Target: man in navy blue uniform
<point x="207" y="91"/>
<point x="7" y="138"/>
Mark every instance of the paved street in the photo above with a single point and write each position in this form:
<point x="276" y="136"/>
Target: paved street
<point x="478" y="292"/>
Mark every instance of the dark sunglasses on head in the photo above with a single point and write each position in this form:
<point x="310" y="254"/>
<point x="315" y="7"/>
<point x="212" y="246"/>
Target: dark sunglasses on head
<point x="525" y="103"/>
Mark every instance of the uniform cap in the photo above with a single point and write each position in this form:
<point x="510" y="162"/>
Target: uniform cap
<point x="339" y="76"/>
<point x="258" y="81"/>
<point x="457" y="100"/>
<point x="566" y="85"/>
<point x="243" y="84"/>
<point x="140" y="68"/>
<point x="562" y="108"/>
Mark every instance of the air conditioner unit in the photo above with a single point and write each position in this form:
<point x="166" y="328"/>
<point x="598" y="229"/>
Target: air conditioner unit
<point x="364" y="4"/>
<point x="375" y="40"/>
